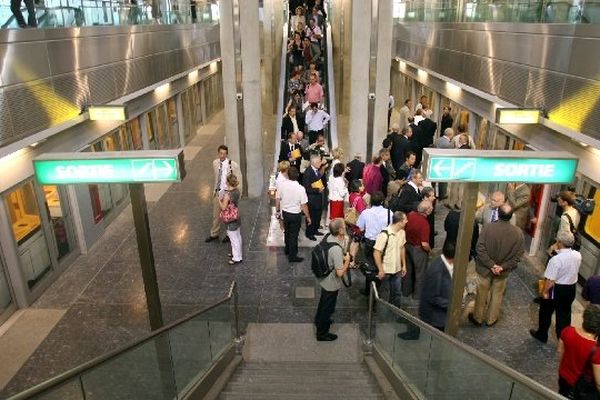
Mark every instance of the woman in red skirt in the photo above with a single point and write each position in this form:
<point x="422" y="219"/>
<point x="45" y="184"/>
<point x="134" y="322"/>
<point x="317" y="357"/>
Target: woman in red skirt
<point x="338" y="192"/>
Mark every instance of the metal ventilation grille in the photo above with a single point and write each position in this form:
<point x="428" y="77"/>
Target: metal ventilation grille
<point x="581" y="106"/>
<point x="6" y="131"/>
<point x="101" y="84"/>
<point x="28" y="105"/>
<point x="513" y="85"/>
<point x="72" y="87"/>
<point x="544" y="89"/>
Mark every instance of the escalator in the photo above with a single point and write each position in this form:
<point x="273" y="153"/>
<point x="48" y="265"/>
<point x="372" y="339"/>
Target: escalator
<point x="204" y="356"/>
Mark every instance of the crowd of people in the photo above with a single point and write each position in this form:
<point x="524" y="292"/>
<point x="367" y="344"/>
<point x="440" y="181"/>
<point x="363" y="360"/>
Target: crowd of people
<point x="379" y="216"/>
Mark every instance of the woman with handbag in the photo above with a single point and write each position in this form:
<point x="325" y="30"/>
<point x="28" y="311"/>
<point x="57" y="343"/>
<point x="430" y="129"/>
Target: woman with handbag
<point x="579" y="369"/>
<point x="230" y="215"/>
<point x="357" y="206"/>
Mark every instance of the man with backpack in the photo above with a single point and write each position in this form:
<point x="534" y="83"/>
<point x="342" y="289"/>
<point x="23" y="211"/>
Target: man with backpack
<point x="390" y="256"/>
<point x="329" y="263"/>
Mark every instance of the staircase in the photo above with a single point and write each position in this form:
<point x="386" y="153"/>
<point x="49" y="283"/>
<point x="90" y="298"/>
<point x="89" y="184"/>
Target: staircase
<point x="302" y="380"/>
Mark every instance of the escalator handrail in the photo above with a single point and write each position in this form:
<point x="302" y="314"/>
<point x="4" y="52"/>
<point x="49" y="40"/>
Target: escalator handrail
<point x="282" y="101"/>
<point x="451" y="341"/>
<point x="331" y="108"/>
<point x="79" y="370"/>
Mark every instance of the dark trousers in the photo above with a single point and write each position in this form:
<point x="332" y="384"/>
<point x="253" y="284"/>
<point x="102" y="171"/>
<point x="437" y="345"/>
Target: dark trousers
<point x="15" y="7"/>
<point x="291" y="224"/>
<point x="564" y="295"/>
<point x="312" y="136"/>
<point x="564" y="388"/>
<point x="315" y="209"/>
<point x="442" y="190"/>
<point x="325" y="310"/>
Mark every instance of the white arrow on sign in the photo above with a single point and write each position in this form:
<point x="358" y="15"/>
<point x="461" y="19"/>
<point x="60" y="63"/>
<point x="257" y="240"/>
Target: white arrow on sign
<point x="458" y="172"/>
<point x="163" y="172"/>
<point x="438" y="169"/>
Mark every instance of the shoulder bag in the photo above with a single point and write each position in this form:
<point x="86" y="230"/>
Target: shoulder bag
<point x="351" y="217"/>
<point x="230" y="214"/>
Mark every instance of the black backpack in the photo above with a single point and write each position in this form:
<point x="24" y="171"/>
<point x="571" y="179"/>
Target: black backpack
<point x="584" y="206"/>
<point x="318" y="258"/>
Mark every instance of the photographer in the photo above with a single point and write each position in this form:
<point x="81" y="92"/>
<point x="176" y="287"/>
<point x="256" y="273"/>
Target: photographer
<point x="569" y="218"/>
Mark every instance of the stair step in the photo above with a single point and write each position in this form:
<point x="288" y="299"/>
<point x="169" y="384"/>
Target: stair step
<point x="299" y="387"/>
<point x="350" y="379"/>
<point x="312" y="372"/>
<point x="303" y="366"/>
<point x="295" y="396"/>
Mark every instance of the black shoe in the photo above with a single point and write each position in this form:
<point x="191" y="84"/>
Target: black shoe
<point x="319" y="233"/>
<point x="210" y="239"/>
<point x="534" y="335"/>
<point x="537" y="300"/>
<point x="226" y="239"/>
<point x="474" y="321"/>
<point x="408" y="336"/>
<point x="328" y="337"/>
<point x="296" y="259"/>
<point x="311" y="237"/>
<point x="364" y="292"/>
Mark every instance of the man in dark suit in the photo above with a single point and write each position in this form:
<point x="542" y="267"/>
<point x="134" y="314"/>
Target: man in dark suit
<point x="415" y="140"/>
<point x="428" y="128"/>
<point x="400" y="146"/>
<point x="451" y="224"/>
<point x="355" y="169"/>
<point x="291" y="123"/>
<point x="287" y="151"/>
<point x="437" y="288"/>
<point x="410" y="195"/>
<point x="312" y="181"/>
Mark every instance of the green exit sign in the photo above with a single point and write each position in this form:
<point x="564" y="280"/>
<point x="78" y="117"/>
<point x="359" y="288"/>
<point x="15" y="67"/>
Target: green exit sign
<point x="448" y="165"/>
<point x="110" y="167"/>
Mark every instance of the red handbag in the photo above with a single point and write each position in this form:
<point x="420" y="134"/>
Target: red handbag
<point x="229" y="214"/>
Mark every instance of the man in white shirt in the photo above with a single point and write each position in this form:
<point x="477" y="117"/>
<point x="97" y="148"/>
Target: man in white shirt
<point x="316" y="120"/>
<point x="290" y="203"/>
<point x="560" y="283"/>
<point x="222" y="167"/>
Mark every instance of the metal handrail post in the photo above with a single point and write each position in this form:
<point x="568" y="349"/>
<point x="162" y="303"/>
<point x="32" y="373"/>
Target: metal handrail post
<point x="238" y="340"/>
<point x="370" y="316"/>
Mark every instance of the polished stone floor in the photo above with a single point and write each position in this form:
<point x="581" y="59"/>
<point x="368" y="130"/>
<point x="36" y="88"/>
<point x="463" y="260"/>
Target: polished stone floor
<point x="103" y="295"/>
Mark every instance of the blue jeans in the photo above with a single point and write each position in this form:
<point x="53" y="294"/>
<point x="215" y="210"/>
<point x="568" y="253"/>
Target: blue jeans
<point x="395" y="282"/>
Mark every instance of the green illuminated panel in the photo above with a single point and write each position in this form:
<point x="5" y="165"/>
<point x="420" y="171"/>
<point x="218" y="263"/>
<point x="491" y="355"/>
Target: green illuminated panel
<point x="119" y="170"/>
<point x="479" y="169"/>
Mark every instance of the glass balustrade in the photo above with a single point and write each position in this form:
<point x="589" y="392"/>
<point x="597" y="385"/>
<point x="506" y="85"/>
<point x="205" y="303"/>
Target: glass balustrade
<point x="435" y="366"/>
<point x="528" y="11"/>
<point x="77" y="13"/>
<point x="164" y="366"/>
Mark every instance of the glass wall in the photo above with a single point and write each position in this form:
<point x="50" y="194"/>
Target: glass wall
<point x="213" y="94"/>
<point x="60" y="218"/>
<point x="163" y="128"/>
<point x="27" y="229"/>
<point x="6" y="302"/>
<point x="192" y="111"/>
<point x="536" y="11"/>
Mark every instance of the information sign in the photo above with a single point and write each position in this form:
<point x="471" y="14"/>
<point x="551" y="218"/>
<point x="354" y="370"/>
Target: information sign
<point x="447" y="165"/>
<point x="110" y="167"/>
<point x="517" y="116"/>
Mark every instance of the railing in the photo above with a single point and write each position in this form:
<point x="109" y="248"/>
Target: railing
<point x="436" y="366"/>
<point x="163" y="365"/>
<point x="56" y="14"/>
<point x="534" y="11"/>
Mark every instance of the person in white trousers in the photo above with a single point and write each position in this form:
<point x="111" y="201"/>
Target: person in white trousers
<point x="232" y="195"/>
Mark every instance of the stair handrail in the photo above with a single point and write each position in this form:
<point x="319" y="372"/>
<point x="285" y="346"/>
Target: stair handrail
<point x="282" y="98"/>
<point x="232" y="295"/>
<point x="485" y="359"/>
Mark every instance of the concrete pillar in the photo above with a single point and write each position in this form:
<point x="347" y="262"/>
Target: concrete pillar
<point x="250" y="44"/>
<point x="359" y="77"/>
<point x="278" y="22"/>
<point x="384" y="65"/>
<point x="268" y="94"/>
<point x="226" y="28"/>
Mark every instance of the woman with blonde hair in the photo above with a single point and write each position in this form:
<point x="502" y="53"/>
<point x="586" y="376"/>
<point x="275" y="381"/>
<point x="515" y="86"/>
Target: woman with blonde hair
<point x="232" y="197"/>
